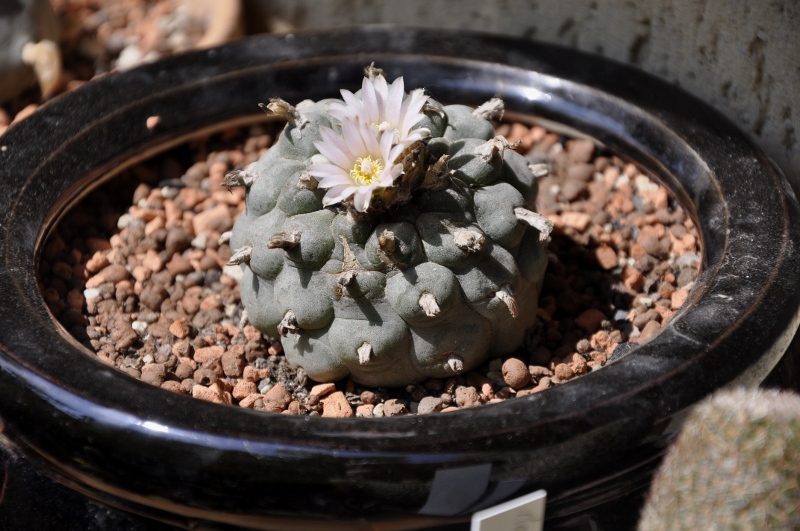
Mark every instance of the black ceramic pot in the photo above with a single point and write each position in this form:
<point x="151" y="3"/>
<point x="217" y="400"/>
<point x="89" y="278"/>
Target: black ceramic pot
<point x="185" y="461"/>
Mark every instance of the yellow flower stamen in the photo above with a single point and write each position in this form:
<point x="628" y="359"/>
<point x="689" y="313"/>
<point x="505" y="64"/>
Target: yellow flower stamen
<point x="366" y="171"/>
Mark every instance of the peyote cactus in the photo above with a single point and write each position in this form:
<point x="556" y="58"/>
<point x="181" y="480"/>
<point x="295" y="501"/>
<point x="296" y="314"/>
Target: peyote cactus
<point x="735" y="465"/>
<point x="389" y="238"/>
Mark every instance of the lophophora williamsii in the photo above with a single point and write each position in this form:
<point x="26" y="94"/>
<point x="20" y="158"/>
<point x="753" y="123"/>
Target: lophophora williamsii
<point x="389" y="238"/>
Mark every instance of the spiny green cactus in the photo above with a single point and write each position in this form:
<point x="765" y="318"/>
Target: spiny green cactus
<point x="735" y="465"/>
<point x="389" y="238"/>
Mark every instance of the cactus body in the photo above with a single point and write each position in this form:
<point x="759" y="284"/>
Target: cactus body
<point x="423" y="270"/>
<point x="735" y="465"/>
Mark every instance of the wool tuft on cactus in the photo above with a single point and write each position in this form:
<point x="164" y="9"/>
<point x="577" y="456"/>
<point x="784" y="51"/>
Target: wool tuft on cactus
<point x="389" y="238"/>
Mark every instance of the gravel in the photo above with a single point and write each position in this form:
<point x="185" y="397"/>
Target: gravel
<point x="138" y="275"/>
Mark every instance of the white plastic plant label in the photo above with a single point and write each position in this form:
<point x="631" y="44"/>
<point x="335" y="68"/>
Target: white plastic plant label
<point x="525" y="513"/>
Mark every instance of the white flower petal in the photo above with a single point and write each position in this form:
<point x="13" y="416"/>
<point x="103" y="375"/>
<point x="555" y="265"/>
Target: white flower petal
<point x="361" y="198"/>
<point x="354" y="104"/>
<point x="330" y="175"/>
<point x="387" y="141"/>
<point x="396" y="151"/>
<point x="353" y="139"/>
<point x="411" y="109"/>
<point x="333" y="148"/>
<point x="369" y="135"/>
<point x="394" y="102"/>
<point x="373" y="108"/>
<point x="337" y="194"/>
<point x="379" y="82"/>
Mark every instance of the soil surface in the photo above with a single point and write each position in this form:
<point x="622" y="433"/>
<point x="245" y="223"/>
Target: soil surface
<point x="137" y="273"/>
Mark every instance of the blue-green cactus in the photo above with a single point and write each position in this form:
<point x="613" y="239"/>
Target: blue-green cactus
<point x="389" y="238"/>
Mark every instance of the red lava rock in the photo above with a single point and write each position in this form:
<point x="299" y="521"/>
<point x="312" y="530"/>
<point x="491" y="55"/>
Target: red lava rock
<point x="249" y="401"/>
<point x="515" y="373"/>
<point x="632" y="278"/>
<point x="97" y="245"/>
<point x="179" y="328"/>
<point x="580" y="150"/>
<point x="323" y="389"/>
<point x="649" y="331"/>
<point x="578" y="364"/>
<point x="564" y="372"/>
<point x="216" y="219"/>
<point x="364" y="410"/>
<point x="393" y="408"/>
<point x="279" y="395"/>
<point x="606" y="257"/>
<point x="204" y="393"/>
<point x="122" y="334"/>
<point x="152" y="297"/>
<point x="369" y="397"/>
<point x="335" y="405"/>
<point x="678" y="298"/>
<point x="205" y="376"/>
<point x="173" y="386"/>
<point x="209" y="357"/>
<point x="184" y="370"/>
<point x="578" y="221"/>
<point x="537" y="372"/>
<point x="154" y="373"/>
<point x="210" y="303"/>
<point x="244" y="388"/>
<point x="467" y="397"/>
<point x="580" y="171"/>
<point x="75" y="299"/>
<point x="573" y="188"/>
<point x="252" y="374"/>
<point x="233" y="361"/>
<point x="590" y="319"/>
<point x="112" y="273"/>
<point x="97" y="262"/>
<point x="429" y="404"/>
<point x="179" y="265"/>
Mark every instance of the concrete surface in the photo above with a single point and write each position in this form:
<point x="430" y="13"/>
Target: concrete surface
<point x="740" y="56"/>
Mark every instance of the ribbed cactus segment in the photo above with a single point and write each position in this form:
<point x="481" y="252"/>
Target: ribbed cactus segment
<point x="735" y="465"/>
<point x="390" y="238"/>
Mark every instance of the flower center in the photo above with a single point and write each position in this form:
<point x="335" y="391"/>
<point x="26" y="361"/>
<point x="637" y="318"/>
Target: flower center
<point x="366" y="171"/>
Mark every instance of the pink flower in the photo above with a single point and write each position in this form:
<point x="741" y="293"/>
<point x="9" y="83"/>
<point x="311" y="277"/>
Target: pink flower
<point x="357" y="163"/>
<point x="385" y="107"/>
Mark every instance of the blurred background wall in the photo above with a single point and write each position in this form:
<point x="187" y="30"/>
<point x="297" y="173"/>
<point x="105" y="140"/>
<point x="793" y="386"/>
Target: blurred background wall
<point x="740" y="56"/>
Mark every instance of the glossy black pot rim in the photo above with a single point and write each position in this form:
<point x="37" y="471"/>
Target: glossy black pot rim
<point x="90" y="421"/>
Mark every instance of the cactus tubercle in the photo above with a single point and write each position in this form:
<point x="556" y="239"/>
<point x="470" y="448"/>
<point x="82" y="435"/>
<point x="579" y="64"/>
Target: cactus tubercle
<point x="535" y="220"/>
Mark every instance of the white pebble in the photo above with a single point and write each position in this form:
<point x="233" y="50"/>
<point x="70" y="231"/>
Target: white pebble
<point x="124" y="220"/>
<point x="148" y="359"/>
<point x="378" y="411"/>
<point x="200" y="241"/>
<point x="170" y="192"/>
<point x="129" y="57"/>
<point x="235" y="272"/>
<point x="91" y="293"/>
<point x="647" y="302"/>
<point x="140" y="327"/>
<point x="644" y="184"/>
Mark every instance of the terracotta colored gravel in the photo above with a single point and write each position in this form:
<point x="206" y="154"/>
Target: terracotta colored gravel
<point x="136" y="273"/>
